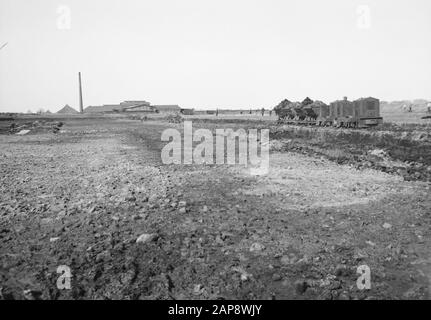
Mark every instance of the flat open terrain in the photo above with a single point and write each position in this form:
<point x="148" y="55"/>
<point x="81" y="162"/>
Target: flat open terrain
<point x="82" y="197"/>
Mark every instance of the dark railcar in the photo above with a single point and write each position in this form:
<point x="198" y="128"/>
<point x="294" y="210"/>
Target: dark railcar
<point x="361" y="113"/>
<point x="367" y="112"/>
<point x="341" y="113"/>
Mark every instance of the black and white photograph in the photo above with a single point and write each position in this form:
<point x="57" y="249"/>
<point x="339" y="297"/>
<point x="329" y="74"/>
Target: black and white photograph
<point x="198" y="151"/>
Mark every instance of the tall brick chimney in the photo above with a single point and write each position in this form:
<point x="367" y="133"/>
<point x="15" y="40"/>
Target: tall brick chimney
<point x="81" y="106"/>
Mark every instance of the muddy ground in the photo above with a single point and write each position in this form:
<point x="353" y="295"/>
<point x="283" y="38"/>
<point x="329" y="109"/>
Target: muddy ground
<point x="83" y="196"/>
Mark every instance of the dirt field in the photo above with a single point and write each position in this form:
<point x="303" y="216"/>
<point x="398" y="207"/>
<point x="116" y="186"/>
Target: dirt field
<point x="83" y="196"/>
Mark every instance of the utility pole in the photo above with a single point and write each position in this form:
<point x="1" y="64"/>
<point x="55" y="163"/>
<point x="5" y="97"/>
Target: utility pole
<point x="81" y="106"/>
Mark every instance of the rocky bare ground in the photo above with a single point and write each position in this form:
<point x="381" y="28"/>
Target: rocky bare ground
<point x="95" y="197"/>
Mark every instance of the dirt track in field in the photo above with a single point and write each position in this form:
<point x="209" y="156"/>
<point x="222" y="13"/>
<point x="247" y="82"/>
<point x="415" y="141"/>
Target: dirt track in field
<point x="82" y="197"/>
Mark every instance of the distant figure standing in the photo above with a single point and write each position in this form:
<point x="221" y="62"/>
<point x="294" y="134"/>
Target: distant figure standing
<point x="217" y="112"/>
<point x="270" y="112"/>
<point x="263" y="112"/>
<point x="250" y="111"/>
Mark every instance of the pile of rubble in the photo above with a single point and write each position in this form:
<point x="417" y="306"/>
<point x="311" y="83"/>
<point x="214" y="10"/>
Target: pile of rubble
<point x="32" y="126"/>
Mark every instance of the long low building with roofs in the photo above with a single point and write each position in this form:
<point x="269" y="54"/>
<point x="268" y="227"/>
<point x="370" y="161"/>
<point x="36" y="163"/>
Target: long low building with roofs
<point x="168" y="108"/>
<point x="133" y="106"/>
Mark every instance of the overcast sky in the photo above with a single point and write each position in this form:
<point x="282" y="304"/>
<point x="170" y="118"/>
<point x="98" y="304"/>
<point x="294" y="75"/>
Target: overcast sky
<point x="208" y="54"/>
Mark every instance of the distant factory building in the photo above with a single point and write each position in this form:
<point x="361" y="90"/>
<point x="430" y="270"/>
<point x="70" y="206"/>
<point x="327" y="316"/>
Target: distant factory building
<point x="168" y="108"/>
<point x="139" y="108"/>
<point x="132" y="103"/>
<point x="106" y="108"/>
<point x="187" y="111"/>
<point x="125" y="106"/>
<point x="134" y="106"/>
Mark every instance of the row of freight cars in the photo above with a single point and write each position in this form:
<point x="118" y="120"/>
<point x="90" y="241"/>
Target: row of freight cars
<point x="361" y="113"/>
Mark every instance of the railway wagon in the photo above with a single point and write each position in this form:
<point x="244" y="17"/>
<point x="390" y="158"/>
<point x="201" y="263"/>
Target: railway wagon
<point x="361" y="113"/>
<point x="322" y="111"/>
<point x="367" y="112"/>
<point x="341" y="113"/>
<point x="323" y="116"/>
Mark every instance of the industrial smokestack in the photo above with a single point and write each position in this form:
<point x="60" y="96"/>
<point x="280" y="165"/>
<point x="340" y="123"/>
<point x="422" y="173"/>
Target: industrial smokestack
<point x="81" y="106"/>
